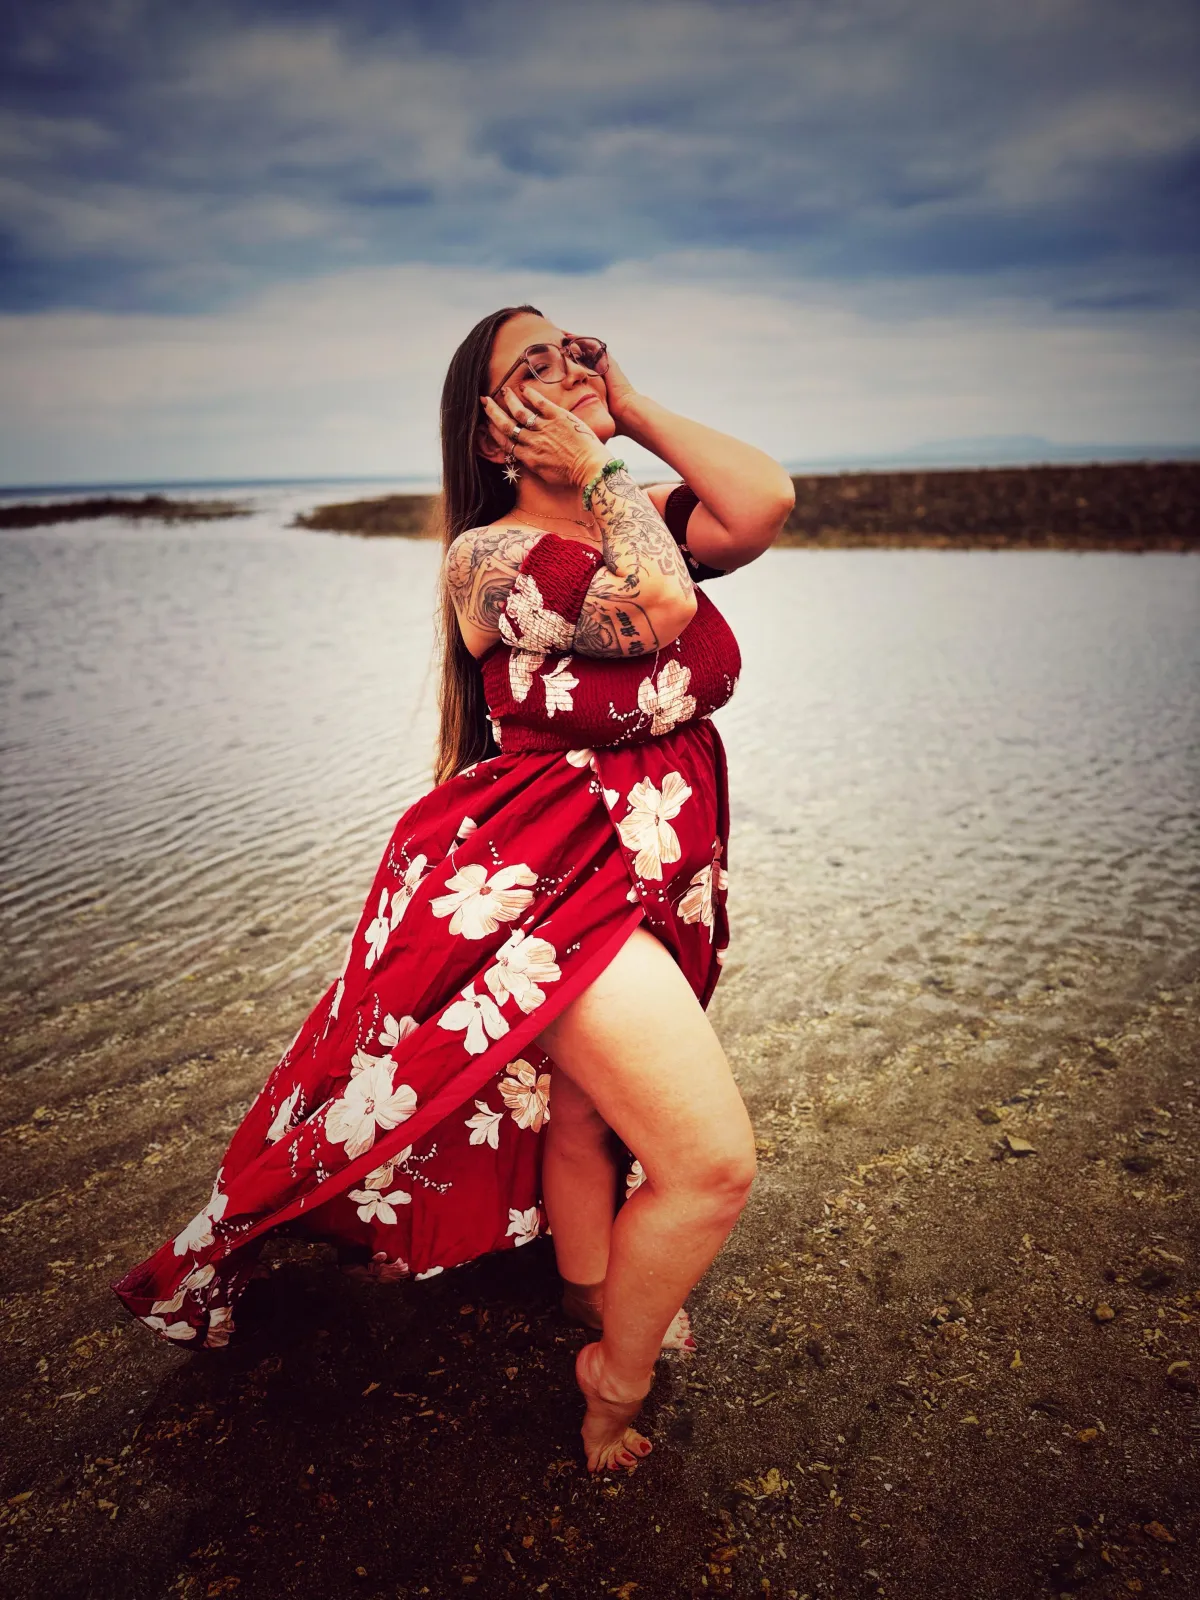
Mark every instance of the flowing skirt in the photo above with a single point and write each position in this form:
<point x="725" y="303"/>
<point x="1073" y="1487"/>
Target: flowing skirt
<point x="403" y="1123"/>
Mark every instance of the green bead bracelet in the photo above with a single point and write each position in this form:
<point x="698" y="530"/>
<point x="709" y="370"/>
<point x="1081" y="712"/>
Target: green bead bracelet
<point x="606" y="470"/>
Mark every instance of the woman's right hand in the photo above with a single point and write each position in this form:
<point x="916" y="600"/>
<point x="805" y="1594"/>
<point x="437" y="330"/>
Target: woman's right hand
<point x="554" y="444"/>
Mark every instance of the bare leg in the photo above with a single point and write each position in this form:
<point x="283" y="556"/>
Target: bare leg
<point x="640" y="1047"/>
<point x="580" y="1179"/>
<point x="579" y="1182"/>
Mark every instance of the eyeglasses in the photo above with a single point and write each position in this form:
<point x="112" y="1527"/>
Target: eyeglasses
<point x="548" y="362"/>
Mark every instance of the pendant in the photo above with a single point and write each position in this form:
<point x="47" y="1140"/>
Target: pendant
<point x="511" y="472"/>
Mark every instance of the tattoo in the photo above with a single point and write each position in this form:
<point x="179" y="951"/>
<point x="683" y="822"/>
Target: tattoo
<point x="481" y="568"/>
<point x="638" y="546"/>
<point x="610" y="625"/>
<point x="615" y="620"/>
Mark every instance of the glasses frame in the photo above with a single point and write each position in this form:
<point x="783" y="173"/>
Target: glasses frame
<point x="523" y="361"/>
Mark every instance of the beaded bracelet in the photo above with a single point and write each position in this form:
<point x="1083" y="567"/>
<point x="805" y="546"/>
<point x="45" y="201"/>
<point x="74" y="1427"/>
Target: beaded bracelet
<point x="606" y="470"/>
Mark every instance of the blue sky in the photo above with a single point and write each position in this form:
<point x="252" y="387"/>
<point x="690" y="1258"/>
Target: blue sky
<point x="244" y="239"/>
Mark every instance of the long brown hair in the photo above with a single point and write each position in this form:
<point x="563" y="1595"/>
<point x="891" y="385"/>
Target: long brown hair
<point x="474" y="493"/>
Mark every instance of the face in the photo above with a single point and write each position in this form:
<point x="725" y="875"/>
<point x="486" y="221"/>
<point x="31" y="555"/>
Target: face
<point x="580" y="390"/>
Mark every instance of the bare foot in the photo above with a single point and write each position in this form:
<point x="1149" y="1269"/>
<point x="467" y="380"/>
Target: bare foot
<point x="588" y="1308"/>
<point x="679" y="1335"/>
<point x="608" y="1440"/>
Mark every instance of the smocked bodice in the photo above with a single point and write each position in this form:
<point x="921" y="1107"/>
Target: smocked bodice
<point x="543" y="696"/>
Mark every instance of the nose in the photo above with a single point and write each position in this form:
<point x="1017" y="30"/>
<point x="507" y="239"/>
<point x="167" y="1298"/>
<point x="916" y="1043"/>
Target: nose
<point x="575" y="370"/>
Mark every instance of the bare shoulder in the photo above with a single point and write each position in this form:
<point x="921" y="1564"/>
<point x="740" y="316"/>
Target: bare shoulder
<point x="481" y="567"/>
<point x="492" y="550"/>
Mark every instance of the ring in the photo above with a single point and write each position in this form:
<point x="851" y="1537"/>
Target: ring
<point x="517" y="432"/>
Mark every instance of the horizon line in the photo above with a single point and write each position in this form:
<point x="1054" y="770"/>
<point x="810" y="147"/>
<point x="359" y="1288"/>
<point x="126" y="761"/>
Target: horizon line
<point x="932" y="457"/>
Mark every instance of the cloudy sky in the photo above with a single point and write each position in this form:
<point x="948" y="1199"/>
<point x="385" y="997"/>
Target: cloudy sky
<point x="243" y="240"/>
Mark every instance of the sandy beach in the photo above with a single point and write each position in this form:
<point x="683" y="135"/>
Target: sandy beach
<point x="951" y="1349"/>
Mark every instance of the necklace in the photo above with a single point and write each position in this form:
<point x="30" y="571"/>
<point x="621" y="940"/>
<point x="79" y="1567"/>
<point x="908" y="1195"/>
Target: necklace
<point x="579" y="522"/>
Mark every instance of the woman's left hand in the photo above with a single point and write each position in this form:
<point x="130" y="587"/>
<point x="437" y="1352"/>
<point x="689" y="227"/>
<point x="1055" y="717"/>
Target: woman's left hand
<point x="622" y="396"/>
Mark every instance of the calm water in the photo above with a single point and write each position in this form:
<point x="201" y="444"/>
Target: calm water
<point x="959" y="780"/>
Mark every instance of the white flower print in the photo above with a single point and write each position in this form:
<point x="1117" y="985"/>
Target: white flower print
<point x="524" y="1225"/>
<point x="477" y="904"/>
<point x="372" y="1203"/>
<point x="335" y="1004"/>
<point x="430" y="1272"/>
<point x="697" y="904"/>
<point x="558" y="683"/>
<point x="175" y="1330"/>
<point x="634" y="1178"/>
<point x="369" y="1101"/>
<point x="522" y="964"/>
<point x="479" y="1015"/>
<point x="667" y="701"/>
<point x="495" y="727"/>
<point x="196" y="1280"/>
<point x="361" y="1060"/>
<point x="382" y="1175"/>
<point x="394" y="1030"/>
<point x="283" y="1117"/>
<point x="579" y="758"/>
<point x="611" y="796"/>
<point x="466" y="826"/>
<point x="647" y="828"/>
<point x="540" y="628"/>
<point x="220" y="1326"/>
<point x="522" y="669"/>
<point x="485" y="1125"/>
<point x="378" y="930"/>
<point x="527" y="1095"/>
<point x="408" y="887"/>
<point x="198" y="1234"/>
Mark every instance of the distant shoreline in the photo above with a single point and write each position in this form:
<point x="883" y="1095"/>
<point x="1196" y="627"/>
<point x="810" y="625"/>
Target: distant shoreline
<point x="151" y="507"/>
<point x="1124" y="506"/>
<point x="1131" y="506"/>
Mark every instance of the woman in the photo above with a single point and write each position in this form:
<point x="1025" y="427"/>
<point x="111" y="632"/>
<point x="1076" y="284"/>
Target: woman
<point x="552" y="911"/>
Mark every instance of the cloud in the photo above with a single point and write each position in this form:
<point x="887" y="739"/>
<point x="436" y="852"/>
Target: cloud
<point x="244" y="240"/>
<point x="342" y="375"/>
<point x="177" y="159"/>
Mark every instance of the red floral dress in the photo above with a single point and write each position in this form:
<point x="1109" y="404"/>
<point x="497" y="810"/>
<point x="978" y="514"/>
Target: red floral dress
<point x="403" y="1122"/>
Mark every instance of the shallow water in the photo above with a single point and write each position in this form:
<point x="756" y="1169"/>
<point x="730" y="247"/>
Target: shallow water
<point x="959" y="780"/>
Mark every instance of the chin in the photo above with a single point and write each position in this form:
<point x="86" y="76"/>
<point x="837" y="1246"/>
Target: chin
<point x="598" y="418"/>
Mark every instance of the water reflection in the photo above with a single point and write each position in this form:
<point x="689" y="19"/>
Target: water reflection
<point x="957" y="777"/>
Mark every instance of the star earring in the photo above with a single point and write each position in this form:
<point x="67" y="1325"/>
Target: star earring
<point x="511" y="471"/>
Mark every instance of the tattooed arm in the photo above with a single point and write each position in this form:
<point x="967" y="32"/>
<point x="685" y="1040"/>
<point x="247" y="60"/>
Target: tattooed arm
<point x="643" y="596"/>
<point x="622" y="614"/>
<point x="481" y="568"/>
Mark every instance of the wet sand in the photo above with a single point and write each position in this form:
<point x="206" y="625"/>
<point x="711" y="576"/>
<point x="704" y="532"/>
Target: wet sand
<point x="929" y="1366"/>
